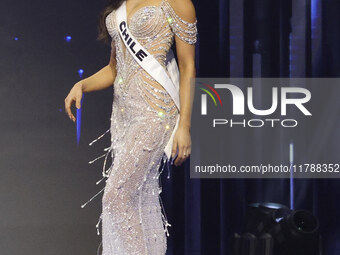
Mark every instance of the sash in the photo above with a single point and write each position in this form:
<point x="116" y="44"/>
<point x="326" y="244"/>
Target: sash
<point x="152" y="66"/>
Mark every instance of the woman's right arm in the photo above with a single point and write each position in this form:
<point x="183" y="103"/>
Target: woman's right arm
<point x="102" y="79"/>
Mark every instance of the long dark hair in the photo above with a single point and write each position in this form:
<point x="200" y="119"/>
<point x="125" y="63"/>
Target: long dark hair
<point x="103" y="34"/>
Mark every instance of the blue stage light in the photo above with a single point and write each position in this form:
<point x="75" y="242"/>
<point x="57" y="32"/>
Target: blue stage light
<point x="68" y="38"/>
<point x="79" y="120"/>
<point x="16" y="38"/>
<point x="78" y="124"/>
<point x="80" y="72"/>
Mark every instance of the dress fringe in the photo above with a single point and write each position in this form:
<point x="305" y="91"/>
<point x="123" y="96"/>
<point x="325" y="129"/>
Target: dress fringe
<point x="166" y="161"/>
<point x="106" y="173"/>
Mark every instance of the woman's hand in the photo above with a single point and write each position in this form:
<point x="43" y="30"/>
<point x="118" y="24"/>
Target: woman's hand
<point x="75" y="95"/>
<point x="182" y="142"/>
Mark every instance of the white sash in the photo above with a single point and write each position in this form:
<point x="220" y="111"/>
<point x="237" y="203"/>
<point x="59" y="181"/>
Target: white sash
<point x="151" y="65"/>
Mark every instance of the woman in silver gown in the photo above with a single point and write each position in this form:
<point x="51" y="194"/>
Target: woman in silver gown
<point x="143" y="118"/>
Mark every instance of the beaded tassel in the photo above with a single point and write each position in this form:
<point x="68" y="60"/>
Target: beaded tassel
<point x="105" y="173"/>
<point x="166" y="224"/>
<point x="98" y="138"/>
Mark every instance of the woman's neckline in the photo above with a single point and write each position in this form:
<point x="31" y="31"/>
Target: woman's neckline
<point x="128" y="18"/>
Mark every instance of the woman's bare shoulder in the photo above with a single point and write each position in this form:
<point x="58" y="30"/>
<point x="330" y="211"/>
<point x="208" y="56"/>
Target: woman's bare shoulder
<point x="184" y="9"/>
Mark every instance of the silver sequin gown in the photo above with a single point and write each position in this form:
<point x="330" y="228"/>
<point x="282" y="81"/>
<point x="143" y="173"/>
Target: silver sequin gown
<point x="143" y="117"/>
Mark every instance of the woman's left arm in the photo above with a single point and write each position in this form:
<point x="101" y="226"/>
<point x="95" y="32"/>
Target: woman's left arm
<point x="186" y="63"/>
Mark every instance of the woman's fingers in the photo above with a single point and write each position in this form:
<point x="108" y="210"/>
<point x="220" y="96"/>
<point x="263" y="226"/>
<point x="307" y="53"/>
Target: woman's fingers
<point x="189" y="151"/>
<point x="174" y="147"/>
<point x="184" y="153"/>
<point x="181" y="157"/>
<point x="74" y="96"/>
<point x="68" y="103"/>
<point x="78" y="102"/>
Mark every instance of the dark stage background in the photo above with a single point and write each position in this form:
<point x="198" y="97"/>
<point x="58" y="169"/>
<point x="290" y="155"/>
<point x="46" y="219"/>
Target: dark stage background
<point x="45" y="175"/>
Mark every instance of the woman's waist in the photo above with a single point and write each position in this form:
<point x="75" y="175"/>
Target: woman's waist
<point x="128" y="111"/>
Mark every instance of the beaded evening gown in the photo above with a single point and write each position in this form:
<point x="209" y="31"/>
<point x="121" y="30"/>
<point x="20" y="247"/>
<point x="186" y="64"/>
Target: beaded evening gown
<point x="142" y="120"/>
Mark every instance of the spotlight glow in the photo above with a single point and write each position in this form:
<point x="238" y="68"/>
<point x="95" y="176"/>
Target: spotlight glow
<point x="68" y="38"/>
<point x="80" y="72"/>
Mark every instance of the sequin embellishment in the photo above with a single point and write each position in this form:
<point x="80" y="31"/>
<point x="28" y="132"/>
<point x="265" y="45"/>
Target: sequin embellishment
<point x="143" y="117"/>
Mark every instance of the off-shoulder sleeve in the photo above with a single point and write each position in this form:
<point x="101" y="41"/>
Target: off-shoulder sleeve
<point x="186" y="31"/>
